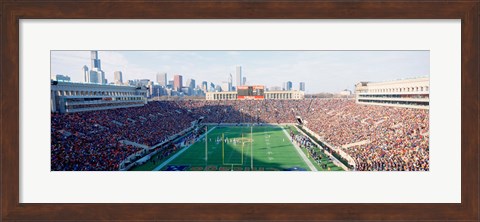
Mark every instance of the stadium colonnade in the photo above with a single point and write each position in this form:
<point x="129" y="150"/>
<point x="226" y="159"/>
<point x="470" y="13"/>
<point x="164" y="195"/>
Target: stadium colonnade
<point x="233" y="95"/>
<point x="68" y="97"/>
<point x="412" y="93"/>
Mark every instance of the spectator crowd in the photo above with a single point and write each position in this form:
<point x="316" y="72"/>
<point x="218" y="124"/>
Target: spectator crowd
<point x="93" y="140"/>
<point x="376" y="137"/>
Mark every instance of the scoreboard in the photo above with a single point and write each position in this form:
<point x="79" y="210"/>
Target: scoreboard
<point x="250" y="92"/>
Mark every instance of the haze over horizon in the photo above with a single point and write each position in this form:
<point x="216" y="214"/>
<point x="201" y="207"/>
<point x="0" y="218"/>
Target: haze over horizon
<point x="322" y="71"/>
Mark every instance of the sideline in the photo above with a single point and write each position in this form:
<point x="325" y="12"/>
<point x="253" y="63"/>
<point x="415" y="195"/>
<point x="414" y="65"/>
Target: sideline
<point x="305" y="159"/>
<point x="159" y="167"/>
<point x="334" y="159"/>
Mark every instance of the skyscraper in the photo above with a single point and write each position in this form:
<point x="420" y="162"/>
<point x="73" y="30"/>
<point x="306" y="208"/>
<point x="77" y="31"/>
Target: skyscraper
<point x="205" y="86"/>
<point x="95" y="61"/>
<point x="96" y="75"/>
<point x="86" y="74"/>
<point x="302" y="86"/>
<point x="177" y="82"/>
<point x="162" y="79"/>
<point x="191" y="84"/>
<point x="238" y="76"/>
<point x="289" y="86"/>
<point x="244" y="82"/>
<point x="118" y="79"/>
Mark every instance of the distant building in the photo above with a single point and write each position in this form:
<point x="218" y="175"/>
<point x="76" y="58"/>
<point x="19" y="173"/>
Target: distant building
<point x="288" y="86"/>
<point x="238" y="75"/>
<point x="96" y="64"/>
<point x="118" y="79"/>
<point x="218" y="95"/>
<point x="63" y="78"/>
<point x="302" y="86"/>
<point x="244" y="82"/>
<point x="157" y="90"/>
<point x="273" y="95"/>
<point x="93" y="77"/>
<point x="96" y="75"/>
<point x="138" y="82"/>
<point x="204" y="86"/>
<point x="186" y="91"/>
<point x="149" y="87"/>
<point x="275" y="88"/>
<point x="198" y="92"/>
<point x="286" y="95"/>
<point x="97" y="67"/>
<point x="170" y="84"/>
<point x="177" y="82"/>
<point x="162" y="79"/>
<point x="191" y="84"/>
<point x="345" y="92"/>
<point x="411" y="93"/>
<point x="86" y="74"/>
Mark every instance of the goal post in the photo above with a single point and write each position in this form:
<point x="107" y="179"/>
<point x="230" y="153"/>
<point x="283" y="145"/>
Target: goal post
<point x="206" y="147"/>
<point x="223" y="153"/>
<point x="251" y="147"/>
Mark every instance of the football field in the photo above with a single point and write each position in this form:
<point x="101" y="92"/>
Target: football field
<point x="228" y="148"/>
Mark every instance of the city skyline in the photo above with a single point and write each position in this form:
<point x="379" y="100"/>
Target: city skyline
<point x="322" y="71"/>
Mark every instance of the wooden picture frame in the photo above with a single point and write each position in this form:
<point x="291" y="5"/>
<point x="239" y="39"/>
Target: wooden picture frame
<point x="12" y="11"/>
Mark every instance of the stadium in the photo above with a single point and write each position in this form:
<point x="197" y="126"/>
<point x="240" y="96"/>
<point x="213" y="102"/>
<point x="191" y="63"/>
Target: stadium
<point x="108" y="128"/>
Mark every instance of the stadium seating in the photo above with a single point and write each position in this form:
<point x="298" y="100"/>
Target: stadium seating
<point x="377" y="137"/>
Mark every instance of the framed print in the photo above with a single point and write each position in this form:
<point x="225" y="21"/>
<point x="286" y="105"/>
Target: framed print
<point x="379" y="98"/>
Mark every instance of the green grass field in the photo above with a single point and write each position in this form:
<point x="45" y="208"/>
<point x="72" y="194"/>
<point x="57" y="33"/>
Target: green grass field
<point x="272" y="151"/>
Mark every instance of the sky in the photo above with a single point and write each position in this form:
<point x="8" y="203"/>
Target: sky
<point x="322" y="71"/>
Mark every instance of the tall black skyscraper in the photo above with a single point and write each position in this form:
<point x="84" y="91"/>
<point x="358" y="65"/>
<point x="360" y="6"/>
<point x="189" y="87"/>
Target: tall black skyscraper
<point x="95" y="75"/>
